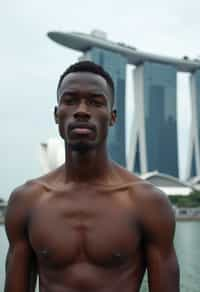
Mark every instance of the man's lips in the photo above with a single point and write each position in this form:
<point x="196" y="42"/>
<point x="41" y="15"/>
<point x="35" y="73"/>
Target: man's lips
<point x="83" y="131"/>
<point x="82" y="128"/>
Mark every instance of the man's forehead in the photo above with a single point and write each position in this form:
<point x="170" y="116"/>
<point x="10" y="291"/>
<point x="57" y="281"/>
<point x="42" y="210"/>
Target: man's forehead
<point x="84" y="80"/>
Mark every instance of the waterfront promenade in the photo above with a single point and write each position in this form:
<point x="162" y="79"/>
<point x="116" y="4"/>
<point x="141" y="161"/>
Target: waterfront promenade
<point x="3" y="206"/>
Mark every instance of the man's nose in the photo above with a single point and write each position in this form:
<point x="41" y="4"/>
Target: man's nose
<point x="82" y="111"/>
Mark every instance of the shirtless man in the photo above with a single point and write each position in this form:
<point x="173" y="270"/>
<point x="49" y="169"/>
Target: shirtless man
<point x="89" y="225"/>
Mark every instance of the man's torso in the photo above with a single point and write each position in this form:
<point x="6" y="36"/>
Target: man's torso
<point x="87" y="238"/>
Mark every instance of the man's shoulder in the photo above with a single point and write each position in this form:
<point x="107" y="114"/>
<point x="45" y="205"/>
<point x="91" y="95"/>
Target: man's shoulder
<point x="33" y="188"/>
<point x="155" y="210"/>
<point x="150" y="200"/>
<point x="26" y="190"/>
<point x="19" y="206"/>
<point x="151" y="197"/>
<point x="22" y="196"/>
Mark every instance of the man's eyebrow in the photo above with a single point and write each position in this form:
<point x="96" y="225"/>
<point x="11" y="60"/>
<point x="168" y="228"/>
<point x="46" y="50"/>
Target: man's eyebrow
<point x="75" y="92"/>
<point x="98" y="94"/>
<point x="68" y="91"/>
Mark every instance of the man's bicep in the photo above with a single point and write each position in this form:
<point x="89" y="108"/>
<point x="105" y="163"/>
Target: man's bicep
<point x="162" y="264"/>
<point x="163" y="269"/>
<point x="20" y="267"/>
<point x="20" y="262"/>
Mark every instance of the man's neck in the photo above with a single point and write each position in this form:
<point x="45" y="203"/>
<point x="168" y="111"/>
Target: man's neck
<point x="91" y="165"/>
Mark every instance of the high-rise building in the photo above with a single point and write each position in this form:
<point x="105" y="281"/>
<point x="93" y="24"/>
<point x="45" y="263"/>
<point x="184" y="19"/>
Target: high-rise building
<point x="155" y="145"/>
<point x="115" y="64"/>
<point x="193" y="157"/>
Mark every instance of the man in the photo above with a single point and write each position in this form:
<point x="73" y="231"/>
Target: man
<point x="89" y="225"/>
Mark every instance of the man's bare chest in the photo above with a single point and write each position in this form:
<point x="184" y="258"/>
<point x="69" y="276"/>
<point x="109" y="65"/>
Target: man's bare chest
<point x="84" y="226"/>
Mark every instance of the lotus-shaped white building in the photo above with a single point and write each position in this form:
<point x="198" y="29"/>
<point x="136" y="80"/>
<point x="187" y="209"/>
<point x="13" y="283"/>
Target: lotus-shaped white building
<point x="51" y="154"/>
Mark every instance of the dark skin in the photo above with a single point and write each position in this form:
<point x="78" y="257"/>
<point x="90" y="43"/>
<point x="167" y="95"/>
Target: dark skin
<point x="89" y="225"/>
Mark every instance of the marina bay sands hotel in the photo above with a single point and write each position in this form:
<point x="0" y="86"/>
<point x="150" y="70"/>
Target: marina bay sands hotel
<point x="154" y="130"/>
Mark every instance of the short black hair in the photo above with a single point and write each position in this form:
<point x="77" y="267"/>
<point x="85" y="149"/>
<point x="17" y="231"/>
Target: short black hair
<point x="91" y="67"/>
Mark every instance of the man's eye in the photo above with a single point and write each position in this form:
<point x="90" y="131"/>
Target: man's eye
<point x="96" y="102"/>
<point x="69" y="101"/>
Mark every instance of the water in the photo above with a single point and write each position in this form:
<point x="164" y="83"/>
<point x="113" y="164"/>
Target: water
<point x="187" y="244"/>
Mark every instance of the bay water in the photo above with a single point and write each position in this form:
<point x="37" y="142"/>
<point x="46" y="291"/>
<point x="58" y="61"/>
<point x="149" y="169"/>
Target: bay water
<point x="187" y="244"/>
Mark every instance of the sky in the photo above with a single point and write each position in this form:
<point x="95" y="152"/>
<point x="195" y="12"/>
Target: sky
<point x="31" y="65"/>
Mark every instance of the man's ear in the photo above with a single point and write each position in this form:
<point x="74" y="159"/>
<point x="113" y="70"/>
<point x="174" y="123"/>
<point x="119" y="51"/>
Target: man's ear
<point x="113" y="117"/>
<point x="56" y="114"/>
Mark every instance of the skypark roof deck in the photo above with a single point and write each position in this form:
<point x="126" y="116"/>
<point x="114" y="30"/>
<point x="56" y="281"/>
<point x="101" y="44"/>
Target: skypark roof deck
<point x="83" y="42"/>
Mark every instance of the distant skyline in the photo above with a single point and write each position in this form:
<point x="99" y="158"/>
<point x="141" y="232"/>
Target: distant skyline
<point x="31" y="65"/>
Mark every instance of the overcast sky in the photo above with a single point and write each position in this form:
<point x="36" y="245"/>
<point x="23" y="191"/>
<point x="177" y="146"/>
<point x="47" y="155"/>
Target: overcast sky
<point x="31" y="64"/>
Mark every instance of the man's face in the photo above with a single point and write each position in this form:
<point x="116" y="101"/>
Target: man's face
<point x="84" y="110"/>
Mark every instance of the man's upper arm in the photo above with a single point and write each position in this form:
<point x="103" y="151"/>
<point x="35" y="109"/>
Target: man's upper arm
<point x="159" y="226"/>
<point x="20" y="262"/>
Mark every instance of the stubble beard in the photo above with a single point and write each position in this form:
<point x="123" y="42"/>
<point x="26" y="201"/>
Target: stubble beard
<point x="82" y="147"/>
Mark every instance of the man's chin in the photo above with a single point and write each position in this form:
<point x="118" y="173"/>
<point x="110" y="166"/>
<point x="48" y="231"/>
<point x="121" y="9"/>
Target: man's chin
<point x="82" y="147"/>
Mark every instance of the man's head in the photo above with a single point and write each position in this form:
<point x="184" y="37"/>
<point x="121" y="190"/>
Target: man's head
<point x="85" y="96"/>
<point x="88" y="66"/>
